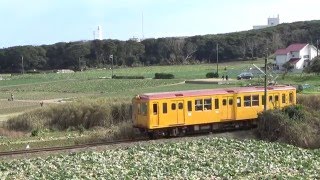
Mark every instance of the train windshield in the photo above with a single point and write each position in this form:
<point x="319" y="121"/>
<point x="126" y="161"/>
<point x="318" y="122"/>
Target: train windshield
<point x="142" y="109"/>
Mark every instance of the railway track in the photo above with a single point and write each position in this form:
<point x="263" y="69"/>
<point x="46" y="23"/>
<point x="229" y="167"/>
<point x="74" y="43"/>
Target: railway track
<point x="61" y="148"/>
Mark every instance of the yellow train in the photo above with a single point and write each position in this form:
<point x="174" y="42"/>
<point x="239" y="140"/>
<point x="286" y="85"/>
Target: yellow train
<point x="178" y="112"/>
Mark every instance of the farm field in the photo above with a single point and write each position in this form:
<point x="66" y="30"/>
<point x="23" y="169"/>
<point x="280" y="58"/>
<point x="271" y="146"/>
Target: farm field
<point x="208" y="158"/>
<point x="95" y="85"/>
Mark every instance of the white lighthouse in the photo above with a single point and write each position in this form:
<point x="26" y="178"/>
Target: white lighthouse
<point x="97" y="34"/>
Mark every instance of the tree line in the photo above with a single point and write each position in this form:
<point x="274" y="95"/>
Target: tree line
<point x="78" y="55"/>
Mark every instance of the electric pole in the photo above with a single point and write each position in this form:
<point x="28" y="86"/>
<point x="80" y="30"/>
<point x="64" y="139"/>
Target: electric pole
<point x="217" y="58"/>
<point x="265" y="84"/>
<point x="111" y="58"/>
<point x="22" y="65"/>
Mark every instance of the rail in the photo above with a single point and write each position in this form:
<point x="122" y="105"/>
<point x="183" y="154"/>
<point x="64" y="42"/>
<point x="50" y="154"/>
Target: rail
<point x="61" y="148"/>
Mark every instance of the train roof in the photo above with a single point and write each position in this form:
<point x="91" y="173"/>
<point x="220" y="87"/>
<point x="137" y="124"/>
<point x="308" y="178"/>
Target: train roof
<point x="209" y="92"/>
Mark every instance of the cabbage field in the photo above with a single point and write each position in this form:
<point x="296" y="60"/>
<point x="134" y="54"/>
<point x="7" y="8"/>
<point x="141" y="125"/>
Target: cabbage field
<point x="205" y="158"/>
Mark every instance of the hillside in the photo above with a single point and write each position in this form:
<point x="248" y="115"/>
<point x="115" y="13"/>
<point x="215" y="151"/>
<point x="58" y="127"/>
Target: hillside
<point x="249" y="44"/>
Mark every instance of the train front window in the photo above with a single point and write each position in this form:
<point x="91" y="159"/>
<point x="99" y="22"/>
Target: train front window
<point x="139" y="108"/>
<point x="144" y="109"/>
<point x="255" y="100"/>
<point x="247" y="101"/>
<point x="230" y="102"/>
<point x="180" y="105"/>
<point x="207" y="104"/>
<point x="198" y="104"/>
<point x="291" y="97"/>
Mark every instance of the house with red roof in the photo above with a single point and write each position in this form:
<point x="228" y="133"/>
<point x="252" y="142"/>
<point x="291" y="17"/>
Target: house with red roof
<point x="299" y="54"/>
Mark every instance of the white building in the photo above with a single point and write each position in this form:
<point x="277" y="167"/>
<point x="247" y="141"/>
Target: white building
<point x="271" y="22"/>
<point x="98" y="33"/>
<point x="300" y="55"/>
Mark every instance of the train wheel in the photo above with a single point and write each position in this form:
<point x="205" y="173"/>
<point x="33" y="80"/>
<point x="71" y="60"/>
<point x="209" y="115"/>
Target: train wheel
<point x="151" y="135"/>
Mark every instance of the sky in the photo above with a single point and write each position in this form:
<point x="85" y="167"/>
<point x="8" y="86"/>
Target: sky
<point x="37" y="22"/>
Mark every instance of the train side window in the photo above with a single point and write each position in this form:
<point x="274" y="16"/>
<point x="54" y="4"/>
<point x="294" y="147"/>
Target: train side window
<point x="198" y="104"/>
<point x="189" y="106"/>
<point x="207" y="104"/>
<point x="164" y="108"/>
<point x="247" y="101"/>
<point x="230" y="101"/>
<point x="291" y="97"/>
<point x="270" y="99"/>
<point x="283" y="98"/>
<point x="276" y="98"/>
<point x="263" y="100"/>
<point x="173" y="106"/>
<point x="216" y="103"/>
<point x="238" y="101"/>
<point x="155" y="109"/>
<point x="224" y="102"/>
<point x="180" y="105"/>
<point x="255" y="100"/>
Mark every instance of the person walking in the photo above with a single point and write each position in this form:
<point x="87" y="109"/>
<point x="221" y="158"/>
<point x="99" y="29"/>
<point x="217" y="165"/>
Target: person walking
<point x="227" y="77"/>
<point x="12" y="97"/>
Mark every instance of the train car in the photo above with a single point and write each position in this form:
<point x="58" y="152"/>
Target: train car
<point x="179" y="112"/>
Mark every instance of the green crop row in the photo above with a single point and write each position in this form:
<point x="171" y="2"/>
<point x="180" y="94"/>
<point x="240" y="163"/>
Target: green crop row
<point x="207" y="158"/>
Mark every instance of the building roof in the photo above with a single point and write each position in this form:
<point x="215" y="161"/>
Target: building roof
<point x="294" y="60"/>
<point x="209" y="92"/>
<point x="291" y="48"/>
<point x="296" y="47"/>
<point x="281" y="51"/>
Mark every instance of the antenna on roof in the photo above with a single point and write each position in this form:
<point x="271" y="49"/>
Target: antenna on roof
<point x="142" y="26"/>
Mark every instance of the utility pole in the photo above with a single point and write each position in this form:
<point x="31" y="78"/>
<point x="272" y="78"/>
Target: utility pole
<point x="217" y="58"/>
<point x="22" y="65"/>
<point x="265" y="84"/>
<point x="111" y="58"/>
<point x="317" y="47"/>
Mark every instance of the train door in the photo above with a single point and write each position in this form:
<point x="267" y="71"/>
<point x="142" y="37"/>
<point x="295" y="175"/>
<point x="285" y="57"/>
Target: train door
<point x="155" y="114"/>
<point x="273" y="101"/>
<point x="227" y="108"/>
<point x="180" y="112"/>
<point x="177" y="108"/>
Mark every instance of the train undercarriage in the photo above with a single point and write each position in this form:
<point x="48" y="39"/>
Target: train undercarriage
<point x="176" y="131"/>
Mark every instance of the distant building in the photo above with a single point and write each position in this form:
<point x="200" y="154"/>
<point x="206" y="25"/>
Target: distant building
<point x="300" y="55"/>
<point x="134" y="39"/>
<point x="97" y="34"/>
<point x="271" y="22"/>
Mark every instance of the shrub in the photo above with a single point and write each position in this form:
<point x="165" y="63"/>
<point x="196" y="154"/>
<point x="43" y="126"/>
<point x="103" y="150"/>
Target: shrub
<point x="163" y="76"/>
<point x="293" y="125"/>
<point x="77" y="114"/>
<point x="299" y="88"/>
<point x="35" y="132"/>
<point x="212" y="75"/>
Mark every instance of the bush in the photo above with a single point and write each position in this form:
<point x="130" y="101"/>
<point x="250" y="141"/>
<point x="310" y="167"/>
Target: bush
<point x="299" y="88"/>
<point x="70" y="115"/>
<point x="212" y="75"/>
<point x="163" y="76"/>
<point x="293" y="125"/>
